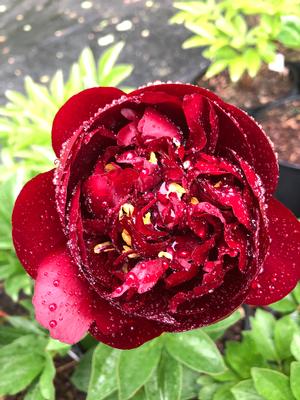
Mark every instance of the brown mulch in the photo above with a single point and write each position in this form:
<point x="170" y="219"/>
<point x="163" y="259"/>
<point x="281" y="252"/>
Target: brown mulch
<point x="248" y="93"/>
<point x="282" y="125"/>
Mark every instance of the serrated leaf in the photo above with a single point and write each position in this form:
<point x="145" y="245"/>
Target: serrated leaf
<point x="103" y="379"/>
<point x="285" y="328"/>
<point x="196" y="350"/>
<point x="245" y="390"/>
<point x="46" y="379"/>
<point x="136" y="367"/>
<point x="295" y="381"/>
<point x="271" y="384"/>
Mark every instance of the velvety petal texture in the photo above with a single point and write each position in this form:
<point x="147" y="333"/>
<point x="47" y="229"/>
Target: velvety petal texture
<point x="159" y="216"/>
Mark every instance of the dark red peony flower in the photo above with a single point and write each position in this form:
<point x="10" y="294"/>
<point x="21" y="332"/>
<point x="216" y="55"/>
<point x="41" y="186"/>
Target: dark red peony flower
<point x="159" y="216"/>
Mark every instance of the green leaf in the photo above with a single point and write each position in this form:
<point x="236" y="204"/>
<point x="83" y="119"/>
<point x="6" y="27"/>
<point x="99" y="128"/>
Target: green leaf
<point x="285" y="305"/>
<point x="195" y="41"/>
<point x="262" y="333"/>
<point x="166" y="382"/>
<point x="81" y="376"/>
<point x="34" y="393"/>
<point x="296" y="293"/>
<point x="57" y="87"/>
<point x="253" y="61"/>
<point x="245" y="390"/>
<point x="103" y="379"/>
<point x="108" y="60"/>
<point x="226" y="323"/>
<point x="46" y="379"/>
<point x="55" y="346"/>
<point x="242" y="356"/>
<point x="236" y="68"/>
<point x="190" y="386"/>
<point x="295" y="346"/>
<point x="117" y="75"/>
<point x="224" y="392"/>
<point x="20" y="363"/>
<point x="196" y="350"/>
<point x="25" y="325"/>
<point x="87" y="67"/>
<point x="215" y="68"/>
<point x="285" y="328"/>
<point x="271" y="384"/>
<point x="136" y="367"/>
<point x="295" y="381"/>
<point x="208" y="391"/>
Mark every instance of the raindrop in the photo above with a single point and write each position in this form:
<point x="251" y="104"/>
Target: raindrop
<point x="52" y="307"/>
<point x="52" y="323"/>
<point x="56" y="282"/>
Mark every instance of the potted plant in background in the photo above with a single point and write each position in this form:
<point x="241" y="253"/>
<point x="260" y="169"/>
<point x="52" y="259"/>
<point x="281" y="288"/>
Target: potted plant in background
<point x="254" y="62"/>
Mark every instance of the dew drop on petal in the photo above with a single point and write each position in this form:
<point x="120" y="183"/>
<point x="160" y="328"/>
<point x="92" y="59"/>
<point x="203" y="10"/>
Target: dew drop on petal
<point x="56" y="283"/>
<point x="52" y="307"/>
<point x="52" y="323"/>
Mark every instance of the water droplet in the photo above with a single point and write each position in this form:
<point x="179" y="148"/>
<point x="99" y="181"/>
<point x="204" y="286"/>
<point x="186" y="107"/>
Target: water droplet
<point x="52" y="323"/>
<point x="52" y="307"/>
<point x="56" y="282"/>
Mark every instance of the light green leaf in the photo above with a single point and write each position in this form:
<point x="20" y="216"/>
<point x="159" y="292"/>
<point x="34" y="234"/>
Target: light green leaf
<point x="295" y="381"/>
<point x="136" y="367"/>
<point x="196" y="350"/>
<point x="190" y="386"/>
<point x="245" y="390"/>
<point x="221" y="326"/>
<point x="253" y="61"/>
<point x="108" y="60"/>
<point x="117" y="75"/>
<point x="285" y="328"/>
<point x="295" y="346"/>
<point x="195" y="41"/>
<point x="57" y="87"/>
<point x="208" y="391"/>
<point x="296" y="293"/>
<point x="46" y="379"/>
<point x="236" y="68"/>
<point x="215" y="68"/>
<point x="285" y="306"/>
<point x="224" y="392"/>
<point x="272" y="384"/>
<point x="34" y="393"/>
<point x="87" y="67"/>
<point x="103" y="379"/>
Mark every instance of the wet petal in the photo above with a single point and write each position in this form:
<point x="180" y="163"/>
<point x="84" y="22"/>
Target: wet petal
<point x="281" y="270"/>
<point x="77" y="109"/>
<point x="61" y="299"/>
<point x="195" y="110"/>
<point x="36" y="228"/>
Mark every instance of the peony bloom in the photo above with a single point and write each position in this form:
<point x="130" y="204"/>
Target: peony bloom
<point x="158" y="217"/>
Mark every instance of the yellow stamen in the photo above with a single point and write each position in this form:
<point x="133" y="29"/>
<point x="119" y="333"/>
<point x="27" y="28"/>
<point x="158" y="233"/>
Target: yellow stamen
<point x="194" y="200"/>
<point x="218" y="184"/>
<point x="176" y="188"/>
<point x="105" y="246"/>
<point x="132" y="255"/>
<point x="165" y="254"/>
<point x="153" y="158"/>
<point x="126" y="209"/>
<point x="109" y="167"/>
<point x="147" y="218"/>
<point x="126" y="237"/>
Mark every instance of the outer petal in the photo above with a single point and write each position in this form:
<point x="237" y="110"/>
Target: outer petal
<point x="282" y="266"/>
<point x="61" y="298"/>
<point x="35" y="222"/>
<point x="79" y="108"/>
<point x="123" y="331"/>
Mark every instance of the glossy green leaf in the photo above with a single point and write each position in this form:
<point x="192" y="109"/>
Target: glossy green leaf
<point x="285" y="328"/>
<point x="190" y="386"/>
<point x="245" y="390"/>
<point x="295" y="379"/>
<point x="224" y="392"/>
<point x="196" y="350"/>
<point x="285" y="306"/>
<point x="103" y="379"/>
<point x="295" y="346"/>
<point x="46" y="379"/>
<point x="136" y="367"/>
<point x="272" y="384"/>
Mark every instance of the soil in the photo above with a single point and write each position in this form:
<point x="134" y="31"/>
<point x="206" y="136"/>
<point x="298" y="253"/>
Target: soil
<point x="282" y="125"/>
<point x="250" y="93"/>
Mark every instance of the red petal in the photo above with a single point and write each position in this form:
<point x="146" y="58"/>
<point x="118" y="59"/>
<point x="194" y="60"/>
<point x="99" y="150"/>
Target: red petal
<point x="143" y="276"/>
<point x="154" y="125"/>
<point x="195" y="110"/>
<point x="36" y="228"/>
<point x="77" y="109"/>
<point x="61" y="299"/>
<point x="121" y="330"/>
<point x="281" y="270"/>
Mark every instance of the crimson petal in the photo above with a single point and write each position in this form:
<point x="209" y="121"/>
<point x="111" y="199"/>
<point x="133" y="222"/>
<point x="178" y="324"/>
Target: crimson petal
<point x="36" y="228"/>
<point x="80" y="107"/>
<point x="61" y="299"/>
<point x="281" y="270"/>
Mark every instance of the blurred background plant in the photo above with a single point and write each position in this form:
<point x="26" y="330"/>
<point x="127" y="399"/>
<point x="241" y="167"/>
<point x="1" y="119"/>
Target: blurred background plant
<point x="240" y="36"/>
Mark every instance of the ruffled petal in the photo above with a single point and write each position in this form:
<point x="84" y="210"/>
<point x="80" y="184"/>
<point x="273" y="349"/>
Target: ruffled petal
<point x="61" y="299"/>
<point x="36" y="228"/>
<point x="281" y="270"/>
<point x="79" y="108"/>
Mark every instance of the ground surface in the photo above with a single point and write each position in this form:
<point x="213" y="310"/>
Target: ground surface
<point x="37" y="37"/>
